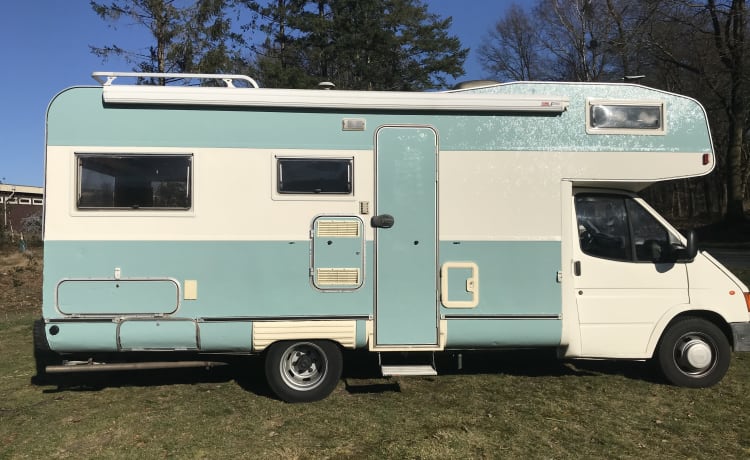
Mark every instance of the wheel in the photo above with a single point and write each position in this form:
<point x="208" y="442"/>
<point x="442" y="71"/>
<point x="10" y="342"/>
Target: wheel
<point x="43" y="356"/>
<point x="693" y="353"/>
<point x="303" y="371"/>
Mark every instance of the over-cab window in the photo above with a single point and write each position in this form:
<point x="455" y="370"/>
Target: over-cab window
<point x="617" y="227"/>
<point x="316" y="175"/>
<point x="134" y="181"/>
<point x="604" y="117"/>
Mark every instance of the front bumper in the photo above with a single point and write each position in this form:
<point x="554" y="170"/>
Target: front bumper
<point x="741" y="334"/>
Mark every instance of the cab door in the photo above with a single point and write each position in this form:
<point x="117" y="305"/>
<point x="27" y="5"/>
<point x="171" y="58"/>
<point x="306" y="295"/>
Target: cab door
<point x="625" y="274"/>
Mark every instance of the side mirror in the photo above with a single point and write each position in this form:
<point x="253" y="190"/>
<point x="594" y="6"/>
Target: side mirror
<point x="691" y="249"/>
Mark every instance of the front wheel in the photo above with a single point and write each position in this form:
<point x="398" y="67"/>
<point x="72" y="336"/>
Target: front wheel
<point x="693" y="353"/>
<point x="303" y="371"/>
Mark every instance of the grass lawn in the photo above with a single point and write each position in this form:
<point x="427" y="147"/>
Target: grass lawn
<point x="518" y="404"/>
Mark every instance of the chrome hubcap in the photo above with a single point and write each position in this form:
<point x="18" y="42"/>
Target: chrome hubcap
<point x="303" y="366"/>
<point x="695" y="354"/>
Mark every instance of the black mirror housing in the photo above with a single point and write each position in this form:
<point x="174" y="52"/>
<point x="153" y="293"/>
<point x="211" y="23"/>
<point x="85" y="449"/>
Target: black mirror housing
<point x="691" y="249"/>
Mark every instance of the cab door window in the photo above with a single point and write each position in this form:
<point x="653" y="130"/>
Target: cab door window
<point x="651" y="241"/>
<point x="603" y="226"/>
<point x="616" y="227"/>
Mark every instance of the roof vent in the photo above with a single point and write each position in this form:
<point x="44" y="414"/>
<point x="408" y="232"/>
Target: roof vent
<point x="633" y="78"/>
<point x="475" y="84"/>
<point x="326" y="85"/>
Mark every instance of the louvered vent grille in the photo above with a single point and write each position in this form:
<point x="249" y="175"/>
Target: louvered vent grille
<point x="338" y="277"/>
<point x="340" y="228"/>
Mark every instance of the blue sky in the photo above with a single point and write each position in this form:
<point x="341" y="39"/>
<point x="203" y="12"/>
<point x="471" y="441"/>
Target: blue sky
<point x="45" y="47"/>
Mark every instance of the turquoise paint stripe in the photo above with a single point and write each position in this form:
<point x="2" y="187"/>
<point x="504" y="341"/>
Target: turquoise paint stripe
<point x="235" y="279"/>
<point x="515" y="277"/>
<point x="261" y="279"/>
<point x="509" y="333"/>
<point x="265" y="278"/>
<point x="77" y="117"/>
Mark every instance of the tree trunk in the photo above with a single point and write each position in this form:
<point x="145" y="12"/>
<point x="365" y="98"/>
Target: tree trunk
<point x="735" y="192"/>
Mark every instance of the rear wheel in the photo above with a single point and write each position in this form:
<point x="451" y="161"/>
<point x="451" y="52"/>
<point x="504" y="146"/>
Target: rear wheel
<point x="303" y="371"/>
<point x="693" y="353"/>
<point x="43" y="356"/>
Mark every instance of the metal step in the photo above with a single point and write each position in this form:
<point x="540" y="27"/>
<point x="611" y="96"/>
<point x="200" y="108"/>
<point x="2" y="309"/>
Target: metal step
<point x="408" y="369"/>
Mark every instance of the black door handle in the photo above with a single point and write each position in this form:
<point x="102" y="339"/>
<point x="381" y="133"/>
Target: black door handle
<point x="577" y="268"/>
<point x="382" y="221"/>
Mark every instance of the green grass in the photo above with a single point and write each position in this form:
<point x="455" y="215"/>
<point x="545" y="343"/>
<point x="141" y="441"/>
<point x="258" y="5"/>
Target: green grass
<point x="518" y="404"/>
<point x="502" y="405"/>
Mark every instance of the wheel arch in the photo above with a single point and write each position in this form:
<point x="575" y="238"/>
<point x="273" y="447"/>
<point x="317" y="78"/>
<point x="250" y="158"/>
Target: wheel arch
<point x="341" y="332"/>
<point x="674" y="316"/>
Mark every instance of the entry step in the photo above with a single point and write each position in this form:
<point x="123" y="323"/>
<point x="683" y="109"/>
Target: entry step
<point x="408" y="369"/>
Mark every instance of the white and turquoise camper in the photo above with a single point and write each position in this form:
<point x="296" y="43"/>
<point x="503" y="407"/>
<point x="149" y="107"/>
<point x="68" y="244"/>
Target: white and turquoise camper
<point x="226" y="218"/>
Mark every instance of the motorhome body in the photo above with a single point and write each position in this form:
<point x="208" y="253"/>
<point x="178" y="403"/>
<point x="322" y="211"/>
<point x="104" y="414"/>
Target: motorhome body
<point x="296" y="223"/>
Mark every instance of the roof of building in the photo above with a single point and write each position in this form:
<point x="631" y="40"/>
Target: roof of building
<point x="10" y="188"/>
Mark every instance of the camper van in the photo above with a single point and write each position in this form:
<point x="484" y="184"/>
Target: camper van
<point x="221" y="218"/>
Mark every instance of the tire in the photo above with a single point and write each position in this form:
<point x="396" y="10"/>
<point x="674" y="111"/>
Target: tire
<point x="303" y="371"/>
<point x="693" y="353"/>
<point x="43" y="355"/>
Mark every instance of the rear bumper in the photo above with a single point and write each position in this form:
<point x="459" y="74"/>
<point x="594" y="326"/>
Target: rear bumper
<point x="741" y="334"/>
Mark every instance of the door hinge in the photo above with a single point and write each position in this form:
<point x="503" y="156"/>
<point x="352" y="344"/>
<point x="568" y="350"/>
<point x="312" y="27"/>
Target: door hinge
<point x="559" y="276"/>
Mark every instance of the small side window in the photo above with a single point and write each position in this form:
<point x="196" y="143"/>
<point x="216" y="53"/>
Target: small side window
<point x="605" y="117"/>
<point x="134" y="181"/>
<point x="311" y="176"/>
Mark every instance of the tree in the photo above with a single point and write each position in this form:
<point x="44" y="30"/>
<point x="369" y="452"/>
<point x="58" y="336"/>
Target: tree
<point x="192" y="36"/>
<point x="697" y="48"/>
<point x="280" y="59"/>
<point x="512" y="50"/>
<point x="589" y="40"/>
<point x="358" y="44"/>
<point x="575" y="40"/>
<point x="707" y="51"/>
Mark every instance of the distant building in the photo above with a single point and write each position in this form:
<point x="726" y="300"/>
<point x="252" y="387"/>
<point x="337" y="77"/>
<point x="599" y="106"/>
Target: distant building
<point x="18" y="202"/>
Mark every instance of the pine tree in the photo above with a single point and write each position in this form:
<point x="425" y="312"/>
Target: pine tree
<point x="191" y="36"/>
<point x="357" y="44"/>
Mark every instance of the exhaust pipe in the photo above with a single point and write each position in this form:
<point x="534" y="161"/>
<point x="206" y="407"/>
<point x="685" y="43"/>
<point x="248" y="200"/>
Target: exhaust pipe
<point x="90" y="366"/>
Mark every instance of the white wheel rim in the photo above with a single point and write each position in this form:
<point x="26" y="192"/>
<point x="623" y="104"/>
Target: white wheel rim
<point x="698" y="354"/>
<point x="695" y="354"/>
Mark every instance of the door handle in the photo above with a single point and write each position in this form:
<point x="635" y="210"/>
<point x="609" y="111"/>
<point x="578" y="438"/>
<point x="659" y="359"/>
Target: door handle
<point x="382" y="221"/>
<point x="577" y="268"/>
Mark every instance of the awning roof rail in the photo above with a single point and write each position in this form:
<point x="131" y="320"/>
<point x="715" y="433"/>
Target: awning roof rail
<point x="107" y="78"/>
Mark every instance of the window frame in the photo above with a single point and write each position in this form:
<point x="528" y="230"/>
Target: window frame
<point x="660" y="104"/>
<point x="276" y="168"/>
<point x="190" y="174"/>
